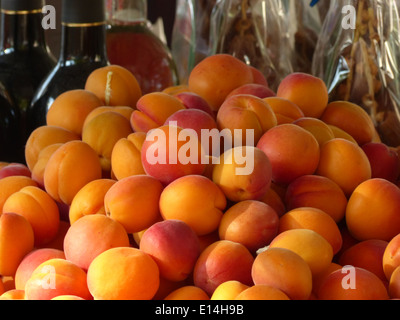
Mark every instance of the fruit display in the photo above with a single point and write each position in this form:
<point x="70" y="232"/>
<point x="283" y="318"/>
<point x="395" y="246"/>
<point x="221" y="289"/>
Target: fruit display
<point x="215" y="189"/>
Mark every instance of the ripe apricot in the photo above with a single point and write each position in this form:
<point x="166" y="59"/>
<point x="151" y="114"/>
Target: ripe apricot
<point x="285" y="270"/>
<point x="12" y="184"/>
<point x="251" y="223"/>
<point x="306" y="91"/>
<point x="71" y="166"/>
<point x="70" y="109"/>
<point x="228" y="290"/>
<point x="309" y="245"/>
<point x="39" y="209"/>
<point x="218" y="75"/>
<point x="345" y="163"/>
<point x="391" y="256"/>
<point x="273" y="199"/>
<point x="285" y="110"/>
<point x="292" y="151"/>
<point x="134" y="202"/>
<point x="319" y="129"/>
<point x="313" y="219"/>
<point x="320" y="278"/>
<point x="114" y="86"/>
<point x="13" y="294"/>
<point x="394" y="284"/>
<point x="123" y="274"/>
<point x="188" y="293"/>
<point x="220" y="262"/>
<point x="122" y="110"/>
<point x="42" y="137"/>
<point x="352" y="284"/>
<point x="126" y="158"/>
<point x="90" y="199"/>
<point x="373" y="210"/>
<point x="67" y="297"/>
<point x="56" y="277"/>
<point x="196" y="200"/>
<point x="103" y="132"/>
<point x="40" y="165"/>
<point x="317" y="192"/>
<point x="351" y="118"/>
<point x="262" y="292"/>
<point x="16" y="240"/>
<point x="339" y="133"/>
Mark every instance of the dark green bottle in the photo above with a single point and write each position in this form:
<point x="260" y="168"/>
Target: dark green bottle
<point x="83" y="49"/>
<point x="25" y="59"/>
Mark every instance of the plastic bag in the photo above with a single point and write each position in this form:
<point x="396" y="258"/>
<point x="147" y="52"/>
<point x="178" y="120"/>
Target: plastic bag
<point x="358" y="57"/>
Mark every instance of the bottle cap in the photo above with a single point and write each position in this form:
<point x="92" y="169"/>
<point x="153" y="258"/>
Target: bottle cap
<point x="83" y="11"/>
<point x="22" y="5"/>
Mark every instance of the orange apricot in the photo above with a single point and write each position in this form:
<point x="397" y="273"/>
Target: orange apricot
<point x="373" y="210"/>
<point x="345" y="163"/>
<point x="285" y="270"/>
<point x="13" y="294"/>
<point x="262" y="292"/>
<point x="69" y="297"/>
<point x="394" y="284"/>
<point x="352" y="283"/>
<point x="196" y="200"/>
<point x="123" y="274"/>
<point x="391" y="256"/>
<point x="313" y="219"/>
<point x="122" y="110"/>
<point x="134" y="202"/>
<point x="16" y="241"/>
<point x="285" y="110"/>
<point x="319" y="129"/>
<point x="340" y="133"/>
<point x="12" y="184"/>
<point x="89" y="199"/>
<point x="39" y="209"/>
<point x="228" y="290"/>
<point x="273" y="199"/>
<point x="320" y="278"/>
<point x="70" y="109"/>
<point x="309" y="245"/>
<point x="71" y="167"/>
<point x="114" y="86"/>
<point x="188" y="293"/>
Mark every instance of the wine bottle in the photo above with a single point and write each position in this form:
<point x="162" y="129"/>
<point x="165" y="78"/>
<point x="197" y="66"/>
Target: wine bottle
<point x="133" y="45"/>
<point x="83" y="49"/>
<point x="25" y="59"/>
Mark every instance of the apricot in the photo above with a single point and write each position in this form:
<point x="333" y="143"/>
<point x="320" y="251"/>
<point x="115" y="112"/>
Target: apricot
<point x="69" y="297"/>
<point x="394" y="284"/>
<point x="174" y="246"/>
<point x="114" y="86"/>
<point x="306" y="91"/>
<point x="313" y="219"/>
<point x="273" y="199"/>
<point x="317" y="192"/>
<point x="39" y="208"/>
<point x="133" y="202"/>
<point x="71" y="167"/>
<point x="56" y="277"/>
<point x="391" y="256"/>
<point x="42" y="137"/>
<point x="292" y="151"/>
<point x="15" y="169"/>
<point x="89" y="199"/>
<point x="122" y="110"/>
<point x="92" y="235"/>
<point x="188" y="293"/>
<point x="12" y="184"/>
<point x="285" y="110"/>
<point x="58" y="240"/>
<point x="123" y="274"/>
<point x="258" y="76"/>
<point x="103" y="132"/>
<point x="220" y="262"/>
<point x="339" y="133"/>
<point x="285" y="270"/>
<point x="70" y="109"/>
<point x="41" y="163"/>
<point x="308" y="244"/>
<point x="13" y="294"/>
<point x="246" y="113"/>
<point x="16" y="241"/>
<point x="218" y="75"/>
<point x="261" y="91"/>
<point x="251" y="223"/>
<point x="319" y="129"/>
<point x="243" y="173"/>
<point x="351" y="118"/>
<point x="195" y="200"/>
<point x="228" y="290"/>
<point x="171" y="152"/>
<point x="373" y="211"/>
<point x="366" y="254"/>
<point x="320" y="278"/>
<point x="262" y="292"/>
<point x="345" y="163"/>
<point x="193" y="101"/>
<point x="153" y="109"/>
<point x="31" y="261"/>
<point x="352" y="284"/>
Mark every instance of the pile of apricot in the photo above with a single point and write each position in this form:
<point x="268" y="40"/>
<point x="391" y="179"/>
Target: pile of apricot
<point x="314" y="213"/>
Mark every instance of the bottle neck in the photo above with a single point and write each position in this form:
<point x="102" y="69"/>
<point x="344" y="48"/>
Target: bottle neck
<point x="127" y="11"/>
<point x="83" y="43"/>
<point x="22" y="31"/>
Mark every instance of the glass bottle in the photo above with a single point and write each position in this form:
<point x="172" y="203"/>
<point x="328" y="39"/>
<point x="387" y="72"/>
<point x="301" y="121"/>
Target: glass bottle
<point x="83" y="49"/>
<point x="132" y="44"/>
<point x="25" y="58"/>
